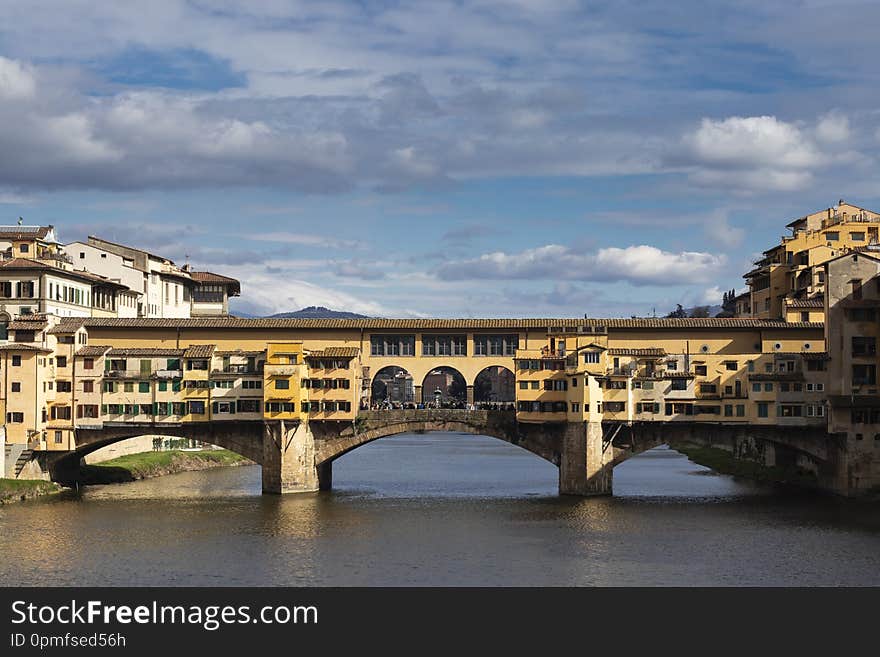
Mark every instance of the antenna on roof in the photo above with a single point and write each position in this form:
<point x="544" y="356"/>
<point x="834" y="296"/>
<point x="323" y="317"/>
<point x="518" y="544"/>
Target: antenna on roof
<point x="20" y="221"/>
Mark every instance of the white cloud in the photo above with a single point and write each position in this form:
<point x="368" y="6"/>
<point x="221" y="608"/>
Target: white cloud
<point x="752" y="153"/>
<point x="749" y="141"/>
<point x="16" y="80"/>
<point x="639" y="265"/>
<point x="833" y="128"/>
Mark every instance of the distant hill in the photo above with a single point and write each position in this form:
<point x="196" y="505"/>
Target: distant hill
<point x="317" y="312"/>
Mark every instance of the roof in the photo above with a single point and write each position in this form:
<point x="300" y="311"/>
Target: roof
<point x="96" y="242"/>
<point x="776" y="376"/>
<point x="14" y="346"/>
<point x="646" y="351"/>
<point x="27" y="263"/>
<point x="145" y="351"/>
<point x="211" y="277"/>
<point x="22" y="325"/>
<point x="240" y="352"/>
<point x="93" y="350"/>
<point x="24" y="232"/>
<point x="67" y="325"/>
<point x="806" y="355"/>
<point x="199" y="351"/>
<point x="378" y="323"/>
<point x="334" y="352"/>
<point x="806" y="303"/>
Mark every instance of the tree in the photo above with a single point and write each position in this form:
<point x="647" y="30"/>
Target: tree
<point x="678" y="313"/>
<point x="700" y="311"/>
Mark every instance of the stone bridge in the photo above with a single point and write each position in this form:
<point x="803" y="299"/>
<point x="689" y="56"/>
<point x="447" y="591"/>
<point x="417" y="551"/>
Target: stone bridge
<point x="298" y="457"/>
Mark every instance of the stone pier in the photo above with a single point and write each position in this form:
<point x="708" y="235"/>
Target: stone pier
<point x="583" y="467"/>
<point x="289" y="459"/>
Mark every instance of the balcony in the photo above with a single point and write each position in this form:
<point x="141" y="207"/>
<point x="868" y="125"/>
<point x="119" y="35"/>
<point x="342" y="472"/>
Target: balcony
<point x="126" y="374"/>
<point x="237" y="369"/>
<point x="282" y="370"/>
<point x="168" y="374"/>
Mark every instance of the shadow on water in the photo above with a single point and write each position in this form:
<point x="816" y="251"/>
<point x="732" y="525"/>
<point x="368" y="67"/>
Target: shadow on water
<point x="443" y="509"/>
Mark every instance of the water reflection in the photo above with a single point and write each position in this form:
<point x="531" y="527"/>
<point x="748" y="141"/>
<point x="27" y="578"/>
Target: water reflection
<point x="442" y="509"/>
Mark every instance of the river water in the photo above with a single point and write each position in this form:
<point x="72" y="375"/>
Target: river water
<point x="443" y="509"/>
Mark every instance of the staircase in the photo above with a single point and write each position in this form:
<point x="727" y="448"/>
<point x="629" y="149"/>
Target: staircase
<point x="22" y="460"/>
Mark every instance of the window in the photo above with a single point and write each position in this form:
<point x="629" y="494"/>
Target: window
<point x="444" y="345"/>
<point x="857" y="237"/>
<point x="16" y="361"/>
<point x="17" y="418"/>
<point x="88" y="363"/>
<point x="856" y="284"/>
<point x="730" y="365"/>
<point x="392" y="345"/>
<point x="88" y="385"/>
<point x="864" y="346"/>
<point x="282" y="384"/>
<point x="251" y="385"/>
<point x="496" y="345"/>
<point x="591" y="356"/>
<point x="128" y="386"/>
<point x="708" y="388"/>
<point x="740" y="410"/>
<point x="535" y="385"/>
<point x="756" y="387"/>
<point x="832" y="236"/>
<point x="248" y="405"/>
<point x="700" y="370"/>
<point x="763" y="409"/>
<point x="143" y="386"/>
<point x="679" y="384"/>
<point x="728" y="410"/>
<point x="864" y="375"/>
<point x="196" y="407"/>
<point x="768" y="387"/>
<point x="523" y="385"/>
<point x="61" y="361"/>
<point x="16" y="386"/>
<point x="615" y="407"/>
<point x="805" y="317"/>
<point x="64" y="386"/>
<point x="862" y="314"/>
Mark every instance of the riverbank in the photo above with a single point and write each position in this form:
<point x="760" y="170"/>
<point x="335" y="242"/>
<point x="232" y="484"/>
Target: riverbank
<point x="156" y="464"/>
<point x="722" y="461"/>
<point x="16" y="490"/>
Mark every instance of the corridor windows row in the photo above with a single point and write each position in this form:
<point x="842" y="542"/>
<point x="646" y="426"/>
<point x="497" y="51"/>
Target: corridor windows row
<point x="496" y="345"/>
<point x="326" y="384"/>
<point x="444" y="345"/>
<point x="542" y="407"/>
<point x="536" y="364"/>
<point x="392" y="345"/>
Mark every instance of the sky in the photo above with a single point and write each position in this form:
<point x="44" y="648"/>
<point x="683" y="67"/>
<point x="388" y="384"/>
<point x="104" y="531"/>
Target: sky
<point x="492" y="158"/>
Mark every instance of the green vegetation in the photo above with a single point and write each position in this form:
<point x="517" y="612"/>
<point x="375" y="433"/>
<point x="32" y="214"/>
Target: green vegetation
<point x="722" y="461"/>
<point x="13" y="490"/>
<point x="154" y="464"/>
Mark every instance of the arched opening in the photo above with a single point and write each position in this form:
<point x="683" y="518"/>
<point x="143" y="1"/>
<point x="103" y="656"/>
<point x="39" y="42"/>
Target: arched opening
<point x="444" y="463"/>
<point x="392" y="385"/>
<point x="495" y="385"/>
<point x="444" y="387"/>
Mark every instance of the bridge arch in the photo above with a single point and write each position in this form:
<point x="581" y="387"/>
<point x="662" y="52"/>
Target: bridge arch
<point x="495" y="383"/>
<point x="392" y="383"/>
<point x="373" y="425"/>
<point x="445" y="384"/>
<point x="245" y="438"/>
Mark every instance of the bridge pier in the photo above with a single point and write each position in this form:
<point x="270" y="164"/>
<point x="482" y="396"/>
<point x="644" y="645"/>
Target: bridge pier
<point x="289" y="458"/>
<point x="583" y="466"/>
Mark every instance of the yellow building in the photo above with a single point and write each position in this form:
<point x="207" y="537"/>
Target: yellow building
<point x="789" y="281"/>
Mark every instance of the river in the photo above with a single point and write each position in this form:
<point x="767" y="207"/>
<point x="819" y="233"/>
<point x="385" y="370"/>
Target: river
<point x="443" y="509"/>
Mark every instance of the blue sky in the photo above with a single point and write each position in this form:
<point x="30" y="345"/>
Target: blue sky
<point x="485" y="158"/>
